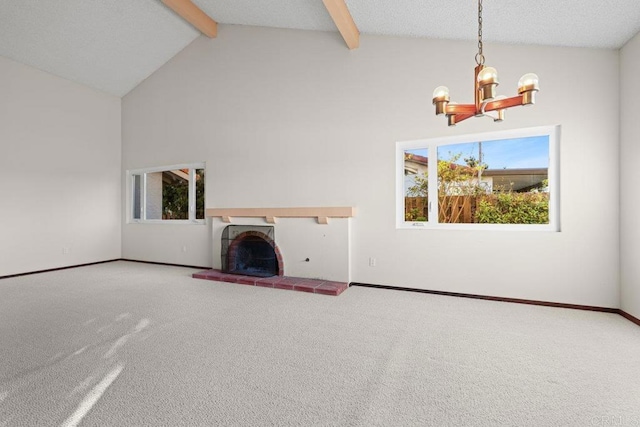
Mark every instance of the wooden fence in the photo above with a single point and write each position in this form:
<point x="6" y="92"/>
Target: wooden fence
<point x="452" y="209"/>
<point x="415" y="207"/>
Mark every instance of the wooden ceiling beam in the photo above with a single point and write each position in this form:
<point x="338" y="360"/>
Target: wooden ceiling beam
<point x="194" y="16"/>
<point x="343" y="20"/>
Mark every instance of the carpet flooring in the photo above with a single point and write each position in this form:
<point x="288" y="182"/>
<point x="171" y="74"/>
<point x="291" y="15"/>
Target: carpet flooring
<point x="129" y="344"/>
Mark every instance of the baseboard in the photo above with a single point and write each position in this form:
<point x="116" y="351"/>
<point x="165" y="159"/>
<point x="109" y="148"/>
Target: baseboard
<point x="492" y="298"/>
<point x="629" y="317"/>
<point x="165" y="263"/>
<point x="57" y="269"/>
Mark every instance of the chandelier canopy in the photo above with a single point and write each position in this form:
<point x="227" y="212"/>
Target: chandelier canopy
<point x="487" y="104"/>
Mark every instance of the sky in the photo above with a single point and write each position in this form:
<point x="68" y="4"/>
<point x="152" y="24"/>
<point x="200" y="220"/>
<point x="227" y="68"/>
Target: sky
<point x="518" y="153"/>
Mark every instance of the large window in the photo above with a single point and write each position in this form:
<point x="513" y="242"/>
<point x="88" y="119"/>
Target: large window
<point x="174" y="193"/>
<point x="504" y="180"/>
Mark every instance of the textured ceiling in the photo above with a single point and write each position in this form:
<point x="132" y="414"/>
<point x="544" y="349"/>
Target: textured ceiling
<point x="298" y="14"/>
<point x="580" y="23"/>
<point x="112" y="45"/>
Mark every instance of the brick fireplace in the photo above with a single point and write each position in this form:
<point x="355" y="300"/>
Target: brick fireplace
<point x="311" y="252"/>
<point x="251" y="251"/>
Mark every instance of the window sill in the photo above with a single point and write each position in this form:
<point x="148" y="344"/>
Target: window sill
<point x="168" y="222"/>
<point x="479" y="227"/>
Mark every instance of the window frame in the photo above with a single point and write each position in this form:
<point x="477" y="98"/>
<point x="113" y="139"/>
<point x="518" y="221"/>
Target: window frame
<point x="432" y="144"/>
<point x="143" y="194"/>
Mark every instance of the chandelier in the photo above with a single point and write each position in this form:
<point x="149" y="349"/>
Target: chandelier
<point x="487" y="104"/>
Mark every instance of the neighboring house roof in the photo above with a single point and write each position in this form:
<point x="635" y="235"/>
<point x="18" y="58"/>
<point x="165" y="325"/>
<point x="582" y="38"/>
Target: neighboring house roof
<point x="416" y="158"/>
<point x="414" y="163"/>
<point x="517" y="179"/>
<point x="509" y="172"/>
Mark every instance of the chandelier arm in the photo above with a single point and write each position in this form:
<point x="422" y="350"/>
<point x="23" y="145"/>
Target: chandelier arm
<point x="461" y="109"/>
<point x="461" y="117"/>
<point x="504" y="103"/>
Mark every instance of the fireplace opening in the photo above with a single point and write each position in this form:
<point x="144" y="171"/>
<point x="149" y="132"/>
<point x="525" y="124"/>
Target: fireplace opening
<point x="255" y="257"/>
<point x="251" y="251"/>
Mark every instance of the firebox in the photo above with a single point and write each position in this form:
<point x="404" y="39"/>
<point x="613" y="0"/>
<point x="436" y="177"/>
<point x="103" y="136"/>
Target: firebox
<point x="250" y="250"/>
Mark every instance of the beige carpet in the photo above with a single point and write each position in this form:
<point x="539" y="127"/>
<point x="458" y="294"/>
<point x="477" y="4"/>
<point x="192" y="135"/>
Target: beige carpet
<point x="134" y="344"/>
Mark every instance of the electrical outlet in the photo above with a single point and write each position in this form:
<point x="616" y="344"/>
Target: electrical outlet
<point x="372" y="262"/>
<point x="184" y="249"/>
<point x="65" y="250"/>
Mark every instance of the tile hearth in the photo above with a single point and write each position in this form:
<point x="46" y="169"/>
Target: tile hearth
<point x="302" y="284"/>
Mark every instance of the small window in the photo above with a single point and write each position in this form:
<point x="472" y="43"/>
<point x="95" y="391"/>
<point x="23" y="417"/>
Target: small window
<point x="169" y="194"/>
<point x="137" y="196"/>
<point x="200" y="193"/>
<point x="416" y="189"/>
<point x="497" y="180"/>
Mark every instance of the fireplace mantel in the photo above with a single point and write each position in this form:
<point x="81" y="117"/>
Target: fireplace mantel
<point x="270" y="214"/>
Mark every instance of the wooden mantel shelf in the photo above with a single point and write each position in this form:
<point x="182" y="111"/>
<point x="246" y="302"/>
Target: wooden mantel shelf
<point x="270" y="214"/>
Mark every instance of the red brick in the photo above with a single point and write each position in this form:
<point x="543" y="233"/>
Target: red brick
<point x="264" y="283"/>
<point x="331" y="288"/>
<point x="283" y="285"/>
<point x="246" y="280"/>
<point x="268" y="282"/>
<point x="271" y="279"/>
<point x="208" y="275"/>
<point x="306" y="286"/>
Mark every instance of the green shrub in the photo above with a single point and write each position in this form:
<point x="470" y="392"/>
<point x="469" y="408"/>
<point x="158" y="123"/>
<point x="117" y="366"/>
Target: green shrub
<point x="412" y="215"/>
<point x="513" y="208"/>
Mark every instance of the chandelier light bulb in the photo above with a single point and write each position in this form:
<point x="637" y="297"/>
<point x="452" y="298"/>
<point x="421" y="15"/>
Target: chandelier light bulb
<point x="488" y="75"/>
<point x="487" y="82"/>
<point x="441" y="93"/>
<point x="441" y="99"/>
<point x="528" y="82"/>
<point x="527" y="87"/>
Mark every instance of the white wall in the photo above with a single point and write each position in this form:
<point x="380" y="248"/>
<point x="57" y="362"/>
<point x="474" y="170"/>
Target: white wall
<point x="60" y="148"/>
<point x="630" y="176"/>
<point x="293" y="118"/>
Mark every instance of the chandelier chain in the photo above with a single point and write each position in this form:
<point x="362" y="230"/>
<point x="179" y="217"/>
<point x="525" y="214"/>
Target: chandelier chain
<point x="480" y="55"/>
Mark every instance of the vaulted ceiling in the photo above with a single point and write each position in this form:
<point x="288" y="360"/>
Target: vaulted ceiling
<point x="112" y="45"/>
